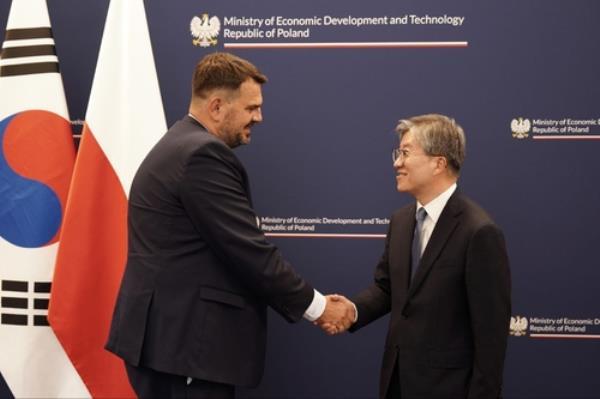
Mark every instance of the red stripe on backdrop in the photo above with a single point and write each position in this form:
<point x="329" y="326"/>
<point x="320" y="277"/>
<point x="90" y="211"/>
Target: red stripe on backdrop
<point x="89" y="267"/>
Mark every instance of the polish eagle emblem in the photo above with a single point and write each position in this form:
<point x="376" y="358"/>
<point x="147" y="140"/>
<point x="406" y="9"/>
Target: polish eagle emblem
<point x="518" y="326"/>
<point x="205" y="30"/>
<point x="520" y="128"/>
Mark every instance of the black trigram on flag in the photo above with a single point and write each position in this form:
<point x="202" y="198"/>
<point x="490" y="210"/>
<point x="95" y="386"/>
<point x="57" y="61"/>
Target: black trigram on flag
<point x="28" y="51"/>
<point x="20" y="307"/>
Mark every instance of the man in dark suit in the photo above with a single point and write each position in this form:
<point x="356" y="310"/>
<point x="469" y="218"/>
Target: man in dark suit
<point x="444" y="276"/>
<point x="191" y="314"/>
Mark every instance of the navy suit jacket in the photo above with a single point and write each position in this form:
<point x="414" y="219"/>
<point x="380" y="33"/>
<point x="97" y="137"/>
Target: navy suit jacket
<point x="200" y="273"/>
<point x="449" y="326"/>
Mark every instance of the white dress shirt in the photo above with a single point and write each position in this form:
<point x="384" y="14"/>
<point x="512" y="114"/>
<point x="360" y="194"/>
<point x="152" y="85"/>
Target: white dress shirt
<point x="434" y="209"/>
<point x="316" y="307"/>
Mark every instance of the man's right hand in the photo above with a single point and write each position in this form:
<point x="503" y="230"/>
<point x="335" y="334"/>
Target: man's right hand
<point x="338" y="316"/>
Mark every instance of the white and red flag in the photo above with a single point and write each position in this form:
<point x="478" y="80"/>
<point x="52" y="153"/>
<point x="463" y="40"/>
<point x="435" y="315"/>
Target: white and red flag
<point x="124" y="119"/>
<point x="36" y="161"/>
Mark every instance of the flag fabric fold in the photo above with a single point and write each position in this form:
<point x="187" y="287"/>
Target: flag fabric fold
<point x="124" y="119"/>
<point x="36" y="161"/>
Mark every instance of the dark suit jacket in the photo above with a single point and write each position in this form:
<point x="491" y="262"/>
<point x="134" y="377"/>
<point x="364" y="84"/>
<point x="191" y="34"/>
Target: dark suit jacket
<point x="448" y="330"/>
<point x="199" y="272"/>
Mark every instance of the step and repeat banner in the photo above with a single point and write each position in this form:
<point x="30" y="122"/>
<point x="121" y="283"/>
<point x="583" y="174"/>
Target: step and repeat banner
<point x="523" y="80"/>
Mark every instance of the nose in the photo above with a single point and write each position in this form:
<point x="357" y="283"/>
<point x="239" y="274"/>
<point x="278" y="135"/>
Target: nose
<point x="398" y="162"/>
<point x="257" y="117"/>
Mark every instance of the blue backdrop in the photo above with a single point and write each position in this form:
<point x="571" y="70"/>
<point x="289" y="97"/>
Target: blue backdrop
<point x="324" y="151"/>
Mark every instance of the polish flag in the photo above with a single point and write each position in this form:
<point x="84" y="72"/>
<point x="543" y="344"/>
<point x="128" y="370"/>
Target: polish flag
<point x="125" y="118"/>
<point x="36" y="161"/>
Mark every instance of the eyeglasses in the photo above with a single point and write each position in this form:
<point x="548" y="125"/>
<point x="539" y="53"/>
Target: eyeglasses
<point x="401" y="154"/>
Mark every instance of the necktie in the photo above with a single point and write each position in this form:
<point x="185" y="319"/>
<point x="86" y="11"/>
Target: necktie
<point x="416" y="245"/>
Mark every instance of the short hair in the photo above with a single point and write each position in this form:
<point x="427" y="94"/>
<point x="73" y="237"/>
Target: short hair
<point x="439" y="135"/>
<point x="223" y="71"/>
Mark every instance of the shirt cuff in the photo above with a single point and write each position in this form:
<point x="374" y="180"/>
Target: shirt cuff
<point x="316" y="307"/>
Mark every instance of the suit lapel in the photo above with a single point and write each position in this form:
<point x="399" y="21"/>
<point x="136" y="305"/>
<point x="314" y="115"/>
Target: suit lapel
<point x="404" y="227"/>
<point x="441" y="233"/>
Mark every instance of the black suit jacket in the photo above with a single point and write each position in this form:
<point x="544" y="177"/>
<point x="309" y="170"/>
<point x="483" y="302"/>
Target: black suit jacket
<point x="199" y="272"/>
<point x="448" y="328"/>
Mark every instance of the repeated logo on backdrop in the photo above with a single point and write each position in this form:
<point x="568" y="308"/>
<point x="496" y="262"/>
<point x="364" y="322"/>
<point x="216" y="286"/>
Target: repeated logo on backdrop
<point x="564" y="327"/>
<point x="556" y="129"/>
<point x="520" y="128"/>
<point x="518" y="326"/>
<point x="205" y="30"/>
<point x="321" y="31"/>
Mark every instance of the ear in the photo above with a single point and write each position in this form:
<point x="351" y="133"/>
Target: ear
<point x="441" y="165"/>
<point x="215" y="108"/>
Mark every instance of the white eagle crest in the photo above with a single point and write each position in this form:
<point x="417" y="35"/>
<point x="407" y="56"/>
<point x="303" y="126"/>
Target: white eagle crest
<point x="205" y="30"/>
<point x="520" y="128"/>
<point x="518" y="326"/>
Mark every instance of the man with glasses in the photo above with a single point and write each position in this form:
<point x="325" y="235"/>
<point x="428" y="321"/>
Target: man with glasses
<point x="444" y="276"/>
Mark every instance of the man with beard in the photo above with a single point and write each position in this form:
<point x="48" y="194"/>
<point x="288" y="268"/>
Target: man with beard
<point x="191" y="315"/>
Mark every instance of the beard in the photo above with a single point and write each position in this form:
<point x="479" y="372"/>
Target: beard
<point x="232" y="132"/>
<point x="234" y="135"/>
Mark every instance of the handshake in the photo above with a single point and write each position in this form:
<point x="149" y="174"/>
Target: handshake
<point x="338" y="316"/>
